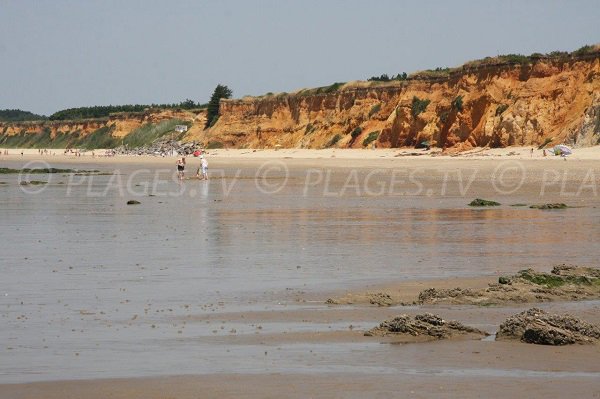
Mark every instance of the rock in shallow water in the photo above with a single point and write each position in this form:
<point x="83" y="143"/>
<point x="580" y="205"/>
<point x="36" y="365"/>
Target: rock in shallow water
<point x="482" y="202"/>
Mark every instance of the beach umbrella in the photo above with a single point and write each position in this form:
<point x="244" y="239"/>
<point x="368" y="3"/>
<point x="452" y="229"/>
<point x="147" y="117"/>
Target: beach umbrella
<point x="562" y="150"/>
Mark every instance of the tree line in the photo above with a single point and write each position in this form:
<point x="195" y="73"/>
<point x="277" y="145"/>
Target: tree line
<point x="18" y="115"/>
<point x="100" y="111"/>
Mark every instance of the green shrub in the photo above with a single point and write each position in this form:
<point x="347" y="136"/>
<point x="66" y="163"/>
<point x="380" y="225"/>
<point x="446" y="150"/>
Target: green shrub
<point x="356" y="132"/>
<point x="558" y="54"/>
<point x="213" y="121"/>
<point x="501" y="108"/>
<point x="334" y="140"/>
<point x="370" y="138"/>
<point x="382" y="78"/>
<point x="213" y="145"/>
<point x="419" y="106"/>
<point x="457" y="103"/>
<point x="374" y="109"/>
<point x="587" y="49"/>
<point x="515" y="59"/>
<point x="386" y="78"/>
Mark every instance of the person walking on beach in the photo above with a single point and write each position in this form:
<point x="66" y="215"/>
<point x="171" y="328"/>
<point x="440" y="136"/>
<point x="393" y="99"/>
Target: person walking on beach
<point x="181" y="168"/>
<point x="204" y="165"/>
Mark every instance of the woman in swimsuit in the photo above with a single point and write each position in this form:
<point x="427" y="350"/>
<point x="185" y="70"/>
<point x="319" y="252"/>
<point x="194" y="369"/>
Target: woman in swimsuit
<point x="180" y="168"/>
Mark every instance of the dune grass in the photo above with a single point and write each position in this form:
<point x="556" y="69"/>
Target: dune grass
<point x="149" y="132"/>
<point x="99" y="138"/>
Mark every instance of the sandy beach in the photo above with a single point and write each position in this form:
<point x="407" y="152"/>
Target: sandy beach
<point x="233" y="288"/>
<point x="518" y="153"/>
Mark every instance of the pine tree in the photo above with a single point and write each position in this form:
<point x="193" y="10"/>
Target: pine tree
<point x="221" y="91"/>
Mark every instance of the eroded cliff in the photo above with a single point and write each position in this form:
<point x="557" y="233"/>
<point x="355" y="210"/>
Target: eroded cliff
<point x="97" y="133"/>
<point x="493" y="105"/>
<point x="492" y="102"/>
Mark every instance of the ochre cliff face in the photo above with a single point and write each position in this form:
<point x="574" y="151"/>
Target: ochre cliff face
<point x="492" y="105"/>
<point x="120" y="124"/>
<point x="502" y="105"/>
<point x="86" y="126"/>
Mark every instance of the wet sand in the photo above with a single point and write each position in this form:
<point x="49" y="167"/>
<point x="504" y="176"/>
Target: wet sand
<point x="313" y="386"/>
<point x="227" y="290"/>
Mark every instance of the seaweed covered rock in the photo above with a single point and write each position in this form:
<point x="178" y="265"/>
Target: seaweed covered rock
<point x="550" y="206"/>
<point x="569" y="270"/>
<point x="562" y="283"/>
<point x="482" y="202"/>
<point x="537" y="326"/>
<point x="424" y="326"/>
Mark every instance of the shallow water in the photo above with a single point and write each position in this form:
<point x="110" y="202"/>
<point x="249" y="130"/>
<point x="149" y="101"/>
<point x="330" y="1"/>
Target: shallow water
<point x="91" y="287"/>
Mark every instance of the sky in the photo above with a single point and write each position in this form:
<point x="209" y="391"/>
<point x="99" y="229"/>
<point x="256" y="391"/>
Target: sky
<point x="57" y="54"/>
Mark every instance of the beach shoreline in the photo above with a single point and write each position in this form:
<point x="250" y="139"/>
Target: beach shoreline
<point x="328" y="155"/>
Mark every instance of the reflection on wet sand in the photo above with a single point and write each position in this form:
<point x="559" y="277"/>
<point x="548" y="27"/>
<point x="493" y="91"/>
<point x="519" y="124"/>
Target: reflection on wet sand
<point x="94" y="288"/>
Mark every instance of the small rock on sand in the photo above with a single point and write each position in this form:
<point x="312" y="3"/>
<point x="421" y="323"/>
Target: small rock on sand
<point x="380" y="299"/>
<point x="550" y="206"/>
<point x="425" y="327"/>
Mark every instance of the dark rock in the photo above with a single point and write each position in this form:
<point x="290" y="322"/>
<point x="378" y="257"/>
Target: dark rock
<point x="504" y="280"/>
<point x="32" y="182"/>
<point x="549" y="206"/>
<point x="482" y="202"/>
<point x="133" y="202"/>
<point x="539" y="327"/>
<point x="426" y="324"/>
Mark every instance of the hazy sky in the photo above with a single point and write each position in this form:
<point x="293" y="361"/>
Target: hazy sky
<point x="57" y="54"/>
